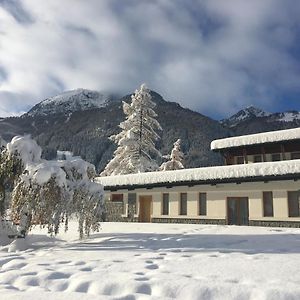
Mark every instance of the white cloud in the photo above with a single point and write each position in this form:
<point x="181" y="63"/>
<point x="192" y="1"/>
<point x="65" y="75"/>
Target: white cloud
<point x="212" y="56"/>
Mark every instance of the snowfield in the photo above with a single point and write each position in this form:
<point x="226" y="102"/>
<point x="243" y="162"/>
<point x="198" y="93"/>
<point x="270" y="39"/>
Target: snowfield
<point x="154" y="261"/>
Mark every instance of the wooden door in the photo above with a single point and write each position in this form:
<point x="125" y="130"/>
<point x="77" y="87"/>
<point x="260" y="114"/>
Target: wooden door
<point x="237" y="211"/>
<point x="145" y="208"/>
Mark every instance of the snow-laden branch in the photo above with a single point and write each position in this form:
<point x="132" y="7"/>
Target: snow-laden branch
<point x="49" y="192"/>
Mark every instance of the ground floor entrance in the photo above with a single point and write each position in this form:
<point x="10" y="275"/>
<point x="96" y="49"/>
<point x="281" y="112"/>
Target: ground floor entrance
<point x="145" y="203"/>
<point x="237" y="211"/>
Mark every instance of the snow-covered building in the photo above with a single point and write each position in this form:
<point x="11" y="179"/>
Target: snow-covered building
<point x="258" y="185"/>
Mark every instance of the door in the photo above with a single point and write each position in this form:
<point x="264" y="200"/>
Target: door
<point x="237" y="211"/>
<point x="145" y="208"/>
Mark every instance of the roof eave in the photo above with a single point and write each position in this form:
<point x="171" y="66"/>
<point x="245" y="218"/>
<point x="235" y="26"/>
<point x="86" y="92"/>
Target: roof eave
<point x="254" y="144"/>
<point x="236" y="180"/>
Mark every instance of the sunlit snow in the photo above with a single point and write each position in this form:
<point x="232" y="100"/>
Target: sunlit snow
<point x="155" y="261"/>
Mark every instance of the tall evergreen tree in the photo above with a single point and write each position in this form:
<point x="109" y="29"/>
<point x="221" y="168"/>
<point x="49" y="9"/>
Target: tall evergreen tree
<point x="136" y="142"/>
<point x="176" y="158"/>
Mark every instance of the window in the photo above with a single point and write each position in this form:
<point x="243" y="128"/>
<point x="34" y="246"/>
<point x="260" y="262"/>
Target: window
<point x="268" y="204"/>
<point x="132" y="201"/>
<point x="183" y="204"/>
<point x="202" y="204"/>
<point x="116" y="197"/>
<point x="295" y="155"/>
<point x="276" y="157"/>
<point x="293" y="203"/>
<point x="257" y="158"/>
<point x="131" y="198"/>
<point x="165" y="204"/>
<point x="240" y="160"/>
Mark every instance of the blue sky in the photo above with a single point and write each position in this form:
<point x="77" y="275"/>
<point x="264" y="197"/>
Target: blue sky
<point x="212" y="56"/>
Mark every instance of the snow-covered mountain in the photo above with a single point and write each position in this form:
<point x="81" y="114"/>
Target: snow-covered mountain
<point x="253" y="120"/>
<point x="248" y="113"/>
<point x="74" y="122"/>
<point x="81" y="121"/>
<point x="289" y="116"/>
<point x="71" y="101"/>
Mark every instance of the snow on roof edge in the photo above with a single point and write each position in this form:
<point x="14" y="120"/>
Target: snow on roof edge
<point x="264" y="169"/>
<point x="258" y="138"/>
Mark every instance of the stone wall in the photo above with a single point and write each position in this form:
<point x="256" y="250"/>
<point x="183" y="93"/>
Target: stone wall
<point x="295" y="224"/>
<point x="189" y="221"/>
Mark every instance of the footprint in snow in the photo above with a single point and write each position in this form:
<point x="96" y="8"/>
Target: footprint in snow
<point x="149" y="261"/>
<point x="139" y="273"/>
<point x="63" y="262"/>
<point x="87" y="269"/>
<point x="142" y="279"/>
<point x="152" y="267"/>
<point x="144" y="289"/>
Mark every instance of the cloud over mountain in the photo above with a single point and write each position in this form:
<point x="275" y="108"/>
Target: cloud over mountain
<point x="212" y="56"/>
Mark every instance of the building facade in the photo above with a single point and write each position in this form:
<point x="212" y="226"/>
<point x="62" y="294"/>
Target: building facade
<point x="258" y="185"/>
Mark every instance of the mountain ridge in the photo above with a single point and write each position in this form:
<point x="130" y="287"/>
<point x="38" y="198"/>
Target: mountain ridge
<point x="86" y="132"/>
<point x="85" y="129"/>
<point x="254" y="120"/>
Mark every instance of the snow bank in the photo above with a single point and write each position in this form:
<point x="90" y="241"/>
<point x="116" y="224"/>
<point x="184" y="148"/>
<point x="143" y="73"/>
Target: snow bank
<point x="209" y="173"/>
<point x="259" y="138"/>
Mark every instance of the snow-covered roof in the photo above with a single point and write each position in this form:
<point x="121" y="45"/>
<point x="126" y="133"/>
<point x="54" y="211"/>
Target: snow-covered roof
<point x="218" y="173"/>
<point x="258" y="138"/>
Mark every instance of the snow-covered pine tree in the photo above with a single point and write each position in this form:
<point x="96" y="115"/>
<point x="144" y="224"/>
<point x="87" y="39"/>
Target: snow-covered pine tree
<point x="176" y="158"/>
<point x="136" y="142"/>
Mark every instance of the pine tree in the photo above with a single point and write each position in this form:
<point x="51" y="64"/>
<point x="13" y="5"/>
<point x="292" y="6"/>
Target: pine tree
<point x="176" y="158"/>
<point x="136" y="142"/>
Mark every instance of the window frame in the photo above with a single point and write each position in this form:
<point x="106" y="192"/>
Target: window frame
<point x="265" y="204"/>
<point x="240" y="157"/>
<point x="181" y="206"/>
<point x="273" y="154"/>
<point x="291" y="215"/>
<point x="163" y="204"/>
<point x="297" y="153"/>
<point x="200" y="204"/>
<point x="117" y="200"/>
<point x="257" y="155"/>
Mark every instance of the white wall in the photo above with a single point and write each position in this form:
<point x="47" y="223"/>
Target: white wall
<point x="217" y="199"/>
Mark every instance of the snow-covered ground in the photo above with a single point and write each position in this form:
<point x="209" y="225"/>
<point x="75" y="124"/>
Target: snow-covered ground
<point x="155" y="261"/>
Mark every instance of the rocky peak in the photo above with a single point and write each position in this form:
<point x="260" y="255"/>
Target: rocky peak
<point x="69" y="102"/>
<point x="248" y="113"/>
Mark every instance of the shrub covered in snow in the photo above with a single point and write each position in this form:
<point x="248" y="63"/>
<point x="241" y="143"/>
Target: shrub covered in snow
<point x="49" y="192"/>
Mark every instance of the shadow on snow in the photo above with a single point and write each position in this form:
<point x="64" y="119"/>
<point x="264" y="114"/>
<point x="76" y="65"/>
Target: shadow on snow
<point x="248" y="244"/>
